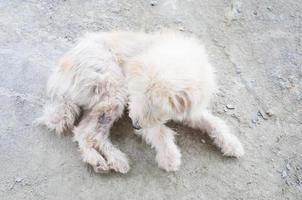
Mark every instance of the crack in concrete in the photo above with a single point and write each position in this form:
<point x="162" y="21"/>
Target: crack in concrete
<point x="262" y="106"/>
<point x="252" y="92"/>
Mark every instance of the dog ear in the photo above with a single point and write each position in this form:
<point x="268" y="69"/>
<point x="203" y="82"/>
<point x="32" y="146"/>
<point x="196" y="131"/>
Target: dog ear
<point x="180" y="102"/>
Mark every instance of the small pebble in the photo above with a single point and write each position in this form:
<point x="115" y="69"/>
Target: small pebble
<point x="284" y="174"/>
<point x="269" y="113"/>
<point x="237" y="10"/>
<point x="254" y="121"/>
<point x="153" y="3"/>
<point x="230" y="107"/>
<point x="181" y="28"/>
<point x="269" y="8"/>
<point x="203" y="141"/>
<point x="288" y="166"/>
<point x="18" y="179"/>
<point x="255" y="12"/>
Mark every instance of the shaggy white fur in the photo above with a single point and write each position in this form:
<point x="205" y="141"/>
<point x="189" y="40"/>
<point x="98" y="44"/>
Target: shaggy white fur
<point x="166" y="76"/>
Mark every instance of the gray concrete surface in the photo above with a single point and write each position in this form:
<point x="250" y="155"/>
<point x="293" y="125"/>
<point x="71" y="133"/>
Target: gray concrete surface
<point x="256" y="48"/>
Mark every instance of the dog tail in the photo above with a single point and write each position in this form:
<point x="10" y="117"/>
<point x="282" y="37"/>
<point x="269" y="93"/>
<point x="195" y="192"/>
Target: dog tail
<point x="59" y="117"/>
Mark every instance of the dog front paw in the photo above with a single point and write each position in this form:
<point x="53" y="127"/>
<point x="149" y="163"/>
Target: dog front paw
<point x="232" y="147"/>
<point x="96" y="160"/>
<point x="99" y="165"/>
<point x="119" y="162"/>
<point x="169" y="159"/>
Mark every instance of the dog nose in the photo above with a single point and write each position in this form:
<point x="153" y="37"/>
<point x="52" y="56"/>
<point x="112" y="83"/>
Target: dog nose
<point x="136" y="125"/>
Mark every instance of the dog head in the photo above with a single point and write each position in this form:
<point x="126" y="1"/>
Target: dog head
<point x="152" y="100"/>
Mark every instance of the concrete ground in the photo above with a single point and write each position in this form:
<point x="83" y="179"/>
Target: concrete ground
<point x="256" y="47"/>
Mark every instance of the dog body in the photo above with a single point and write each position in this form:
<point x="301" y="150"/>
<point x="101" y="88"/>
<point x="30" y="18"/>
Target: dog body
<point x="166" y="76"/>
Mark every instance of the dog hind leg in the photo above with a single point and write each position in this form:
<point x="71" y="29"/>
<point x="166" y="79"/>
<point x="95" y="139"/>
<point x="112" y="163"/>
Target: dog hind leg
<point x="116" y="159"/>
<point x="92" y="135"/>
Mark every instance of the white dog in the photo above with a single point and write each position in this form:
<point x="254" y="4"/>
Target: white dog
<point x="166" y="77"/>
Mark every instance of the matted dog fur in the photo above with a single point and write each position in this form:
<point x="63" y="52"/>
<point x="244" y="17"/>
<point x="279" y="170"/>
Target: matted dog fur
<point x="161" y="77"/>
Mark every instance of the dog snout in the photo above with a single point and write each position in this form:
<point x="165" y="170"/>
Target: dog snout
<point x="136" y="125"/>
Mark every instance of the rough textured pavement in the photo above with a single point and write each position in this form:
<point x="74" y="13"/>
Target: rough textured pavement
<point x="256" y="47"/>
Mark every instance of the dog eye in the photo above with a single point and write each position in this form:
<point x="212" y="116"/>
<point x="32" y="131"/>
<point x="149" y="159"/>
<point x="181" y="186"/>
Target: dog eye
<point x="136" y="125"/>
